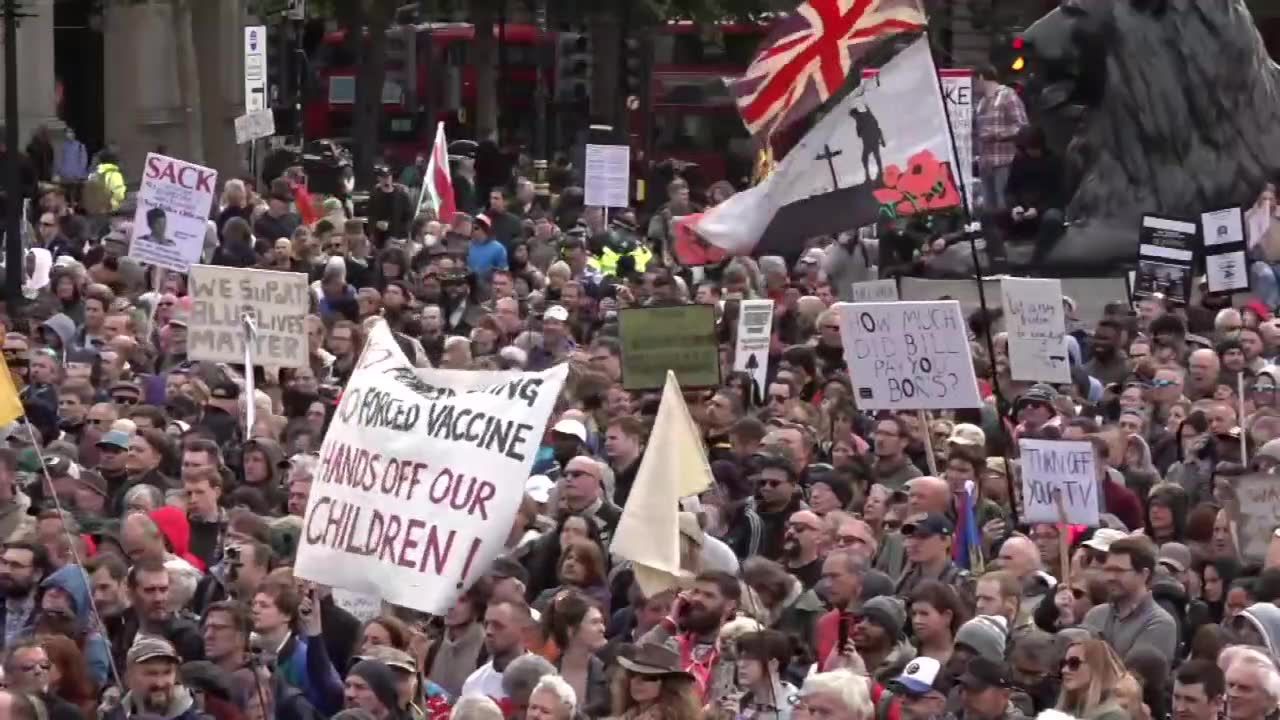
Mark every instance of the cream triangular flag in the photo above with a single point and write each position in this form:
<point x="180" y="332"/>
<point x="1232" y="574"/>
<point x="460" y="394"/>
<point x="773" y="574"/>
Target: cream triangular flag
<point x="674" y="466"/>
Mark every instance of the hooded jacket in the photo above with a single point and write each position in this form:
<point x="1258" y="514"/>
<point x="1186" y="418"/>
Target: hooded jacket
<point x="1265" y="619"/>
<point x="1169" y="594"/>
<point x="73" y="581"/>
<point x="1173" y="497"/>
<point x="177" y="531"/>
<point x="65" y="328"/>
<point x="272" y="489"/>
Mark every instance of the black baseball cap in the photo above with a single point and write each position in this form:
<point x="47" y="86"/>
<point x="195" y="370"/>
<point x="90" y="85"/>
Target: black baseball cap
<point x="928" y="526"/>
<point x="982" y="673"/>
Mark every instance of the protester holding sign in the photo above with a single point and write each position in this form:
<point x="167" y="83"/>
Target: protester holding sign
<point x="304" y="461"/>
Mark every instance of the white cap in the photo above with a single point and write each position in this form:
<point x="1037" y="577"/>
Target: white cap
<point x="556" y="312"/>
<point x="538" y="487"/>
<point x="1102" y="539"/>
<point x="968" y="434"/>
<point x="569" y="426"/>
<point x="920" y="675"/>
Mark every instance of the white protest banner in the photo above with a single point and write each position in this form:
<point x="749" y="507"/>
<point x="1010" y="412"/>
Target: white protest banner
<point x="607" y="183"/>
<point x="1035" y="320"/>
<point x="755" y="328"/>
<point x="278" y="302"/>
<point x="1053" y="467"/>
<point x="876" y="291"/>
<point x="908" y="355"/>
<point x="419" y="483"/>
<point x="173" y="212"/>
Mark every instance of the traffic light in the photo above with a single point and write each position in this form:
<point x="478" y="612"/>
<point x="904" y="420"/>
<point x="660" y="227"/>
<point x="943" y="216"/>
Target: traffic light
<point x="573" y="70"/>
<point x="1018" y="62"/>
<point x="633" y="73"/>
<point x="1011" y="56"/>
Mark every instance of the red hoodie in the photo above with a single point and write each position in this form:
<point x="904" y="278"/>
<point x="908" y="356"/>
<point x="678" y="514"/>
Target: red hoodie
<point x="177" y="530"/>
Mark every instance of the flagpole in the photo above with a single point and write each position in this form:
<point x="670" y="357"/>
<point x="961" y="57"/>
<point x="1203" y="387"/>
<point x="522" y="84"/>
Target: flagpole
<point x="75" y="554"/>
<point x="972" y="239"/>
<point x="250" y="330"/>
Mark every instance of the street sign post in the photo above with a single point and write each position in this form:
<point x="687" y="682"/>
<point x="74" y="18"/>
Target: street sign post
<point x="255" y="68"/>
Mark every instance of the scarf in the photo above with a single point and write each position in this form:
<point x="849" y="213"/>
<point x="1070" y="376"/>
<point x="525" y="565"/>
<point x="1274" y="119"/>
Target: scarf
<point x="699" y="668"/>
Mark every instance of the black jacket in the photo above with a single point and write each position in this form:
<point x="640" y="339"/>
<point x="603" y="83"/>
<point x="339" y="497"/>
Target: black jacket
<point x="341" y="631"/>
<point x="395" y="208"/>
<point x="273" y="228"/>
<point x="183" y="633"/>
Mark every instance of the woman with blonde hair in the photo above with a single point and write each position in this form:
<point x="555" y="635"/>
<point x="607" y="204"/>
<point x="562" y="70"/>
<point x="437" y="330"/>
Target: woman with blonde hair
<point x="652" y="686"/>
<point x="1091" y="674"/>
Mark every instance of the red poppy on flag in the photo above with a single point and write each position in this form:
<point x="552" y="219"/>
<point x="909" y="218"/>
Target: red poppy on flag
<point x="810" y="54"/>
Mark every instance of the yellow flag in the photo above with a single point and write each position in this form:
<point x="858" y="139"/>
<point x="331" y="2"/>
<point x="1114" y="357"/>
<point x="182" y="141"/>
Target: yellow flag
<point x="10" y="405"/>
<point x="674" y="466"/>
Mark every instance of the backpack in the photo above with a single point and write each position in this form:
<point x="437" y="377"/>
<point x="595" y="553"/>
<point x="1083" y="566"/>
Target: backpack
<point x="884" y="705"/>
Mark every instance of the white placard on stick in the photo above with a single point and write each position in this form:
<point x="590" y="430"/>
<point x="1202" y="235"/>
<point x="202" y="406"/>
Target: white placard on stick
<point x="254" y="125"/>
<point x="876" y="291"/>
<point x="908" y="355"/>
<point x="608" y="176"/>
<point x="1053" y="467"/>
<point x="1034" y="318"/>
<point x="751" y="355"/>
<point x="419" y="483"/>
<point x="173" y="212"/>
<point x="220" y="297"/>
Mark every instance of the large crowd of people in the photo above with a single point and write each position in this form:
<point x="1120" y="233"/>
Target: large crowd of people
<point x="148" y="534"/>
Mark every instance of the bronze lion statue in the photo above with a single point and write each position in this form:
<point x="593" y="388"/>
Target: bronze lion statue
<point x="1176" y="111"/>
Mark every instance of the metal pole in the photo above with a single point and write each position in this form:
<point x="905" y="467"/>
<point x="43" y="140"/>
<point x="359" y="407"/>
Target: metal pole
<point x="541" y="97"/>
<point x="12" y="179"/>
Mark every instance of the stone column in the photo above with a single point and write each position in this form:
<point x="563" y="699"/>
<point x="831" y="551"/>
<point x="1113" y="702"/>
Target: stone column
<point x="37" y="98"/>
<point x="143" y="110"/>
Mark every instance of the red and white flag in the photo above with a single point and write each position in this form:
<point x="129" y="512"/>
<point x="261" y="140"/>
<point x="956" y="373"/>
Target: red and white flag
<point x="437" y="186"/>
<point x="810" y="54"/>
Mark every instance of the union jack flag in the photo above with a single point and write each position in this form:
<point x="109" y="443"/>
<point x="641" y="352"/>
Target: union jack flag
<point x="810" y="54"/>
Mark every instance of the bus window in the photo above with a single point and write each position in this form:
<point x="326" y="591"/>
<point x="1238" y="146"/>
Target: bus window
<point x="342" y="90"/>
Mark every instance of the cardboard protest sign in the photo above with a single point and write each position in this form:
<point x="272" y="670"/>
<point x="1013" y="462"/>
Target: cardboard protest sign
<point x="876" y="291"/>
<point x="1035" y="321"/>
<point x="173" y="212"/>
<point x="908" y="355"/>
<point x="278" y="301"/>
<point x="1255" y="508"/>
<point x="680" y="338"/>
<point x="418" y="483"/>
<point x="755" y="328"/>
<point x="1091" y="294"/>
<point x="1053" y="467"/>
<point x="1165" y="252"/>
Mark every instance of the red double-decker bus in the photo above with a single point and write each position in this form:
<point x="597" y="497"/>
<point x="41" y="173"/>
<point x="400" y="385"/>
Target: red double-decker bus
<point x="693" y="118"/>
<point x="424" y="61"/>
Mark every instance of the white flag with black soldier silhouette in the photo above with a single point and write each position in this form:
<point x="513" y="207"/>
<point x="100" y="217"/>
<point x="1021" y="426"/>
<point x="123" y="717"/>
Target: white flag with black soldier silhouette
<point x="884" y="151"/>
